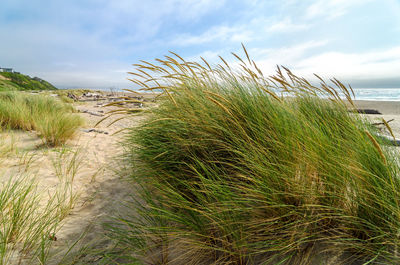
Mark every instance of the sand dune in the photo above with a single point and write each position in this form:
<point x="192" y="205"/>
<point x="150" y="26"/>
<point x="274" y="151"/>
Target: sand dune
<point x="90" y="161"/>
<point x="95" y="154"/>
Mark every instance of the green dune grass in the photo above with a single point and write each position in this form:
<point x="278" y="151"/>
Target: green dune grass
<point x="16" y="81"/>
<point x="30" y="217"/>
<point x="51" y="119"/>
<point x="237" y="168"/>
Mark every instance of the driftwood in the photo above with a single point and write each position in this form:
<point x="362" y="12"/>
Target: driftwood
<point x="90" y="99"/>
<point x="94" y="130"/>
<point x="367" y="111"/>
<point x="92" y="113"/>
<point x="72" y="96"/>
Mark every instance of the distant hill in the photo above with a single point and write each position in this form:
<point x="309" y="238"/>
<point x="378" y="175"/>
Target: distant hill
<point x="17" y="81"/>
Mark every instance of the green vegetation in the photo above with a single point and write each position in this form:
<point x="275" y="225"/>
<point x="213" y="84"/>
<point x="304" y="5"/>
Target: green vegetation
<point x="29" y="216"/>
<point x="51" y="119"/>
<point x="22" y="221"/>
<point x="237" y="168"/>
<point x="14" y="81"/>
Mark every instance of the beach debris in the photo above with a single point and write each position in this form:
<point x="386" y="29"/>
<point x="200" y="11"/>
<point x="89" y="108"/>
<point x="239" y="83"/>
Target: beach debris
<point x="52" y="237"/>
<point x="94" y="130"/>
<point x="113" y="99"/>
<point x="72" y="96"/>
<point x="90" y="95"/>
<point x="92" y="113"/>
<point x="368" y="111"/>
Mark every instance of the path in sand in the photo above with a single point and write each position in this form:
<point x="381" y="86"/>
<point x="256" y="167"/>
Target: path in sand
<point x="100" y="189"/>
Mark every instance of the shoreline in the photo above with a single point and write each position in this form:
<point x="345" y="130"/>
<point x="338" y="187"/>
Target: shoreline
<point x="385" y="107"/>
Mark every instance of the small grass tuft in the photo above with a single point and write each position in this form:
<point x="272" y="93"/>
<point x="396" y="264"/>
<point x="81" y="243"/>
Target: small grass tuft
<point x="56" y="129"/>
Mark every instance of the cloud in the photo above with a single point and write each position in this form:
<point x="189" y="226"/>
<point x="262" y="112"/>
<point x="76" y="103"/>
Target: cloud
<point x="330" y="9"/>
<point x="214" y="34"/>
<point x="193" y="9"/>
<point x="373" y="68"/>
<point x="94" y="41"/>
<point x="369" y="68"/>
<point x="209" y="56"/>
<point x="76" y="46"/>
<point x="239" y="33"/>
<point x="363" y="65"/>
<point x="133" y="15"/>
<point x="288" y="56"/>
<point x="286" y="25"/>
<point x="88" y="75"/>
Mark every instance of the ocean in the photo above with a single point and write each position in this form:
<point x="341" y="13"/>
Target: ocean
<point x="377" y="94"/>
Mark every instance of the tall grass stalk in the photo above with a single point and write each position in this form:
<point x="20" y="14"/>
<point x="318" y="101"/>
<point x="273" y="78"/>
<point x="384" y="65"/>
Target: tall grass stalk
<point x="234" y="167"/>
<point x="66" y="164"/>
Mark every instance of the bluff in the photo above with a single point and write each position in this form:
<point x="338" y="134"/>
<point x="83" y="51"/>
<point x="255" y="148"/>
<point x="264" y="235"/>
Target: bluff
<point x="17" y="81"/>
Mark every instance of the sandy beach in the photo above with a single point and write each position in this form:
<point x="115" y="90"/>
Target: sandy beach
<point x="90" y="161"/>
<point x="385" y="107"/>
<point x="99" y="187"/>
<point x="390" y="112"/>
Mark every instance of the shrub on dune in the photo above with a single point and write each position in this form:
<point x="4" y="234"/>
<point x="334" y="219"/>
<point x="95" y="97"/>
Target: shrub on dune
<point x="13" y="112"/>
<point x="58" y="128"/>
<point x="53" y="120"/>
<point x="237" y="168"/>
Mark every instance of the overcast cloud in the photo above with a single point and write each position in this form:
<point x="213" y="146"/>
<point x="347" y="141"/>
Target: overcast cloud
<point x="92" y="43"/>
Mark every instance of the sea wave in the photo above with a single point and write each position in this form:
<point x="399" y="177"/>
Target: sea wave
<point x="377" y="94"/>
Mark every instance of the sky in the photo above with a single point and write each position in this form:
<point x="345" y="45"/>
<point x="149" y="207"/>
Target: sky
<point x="93" y="43"/>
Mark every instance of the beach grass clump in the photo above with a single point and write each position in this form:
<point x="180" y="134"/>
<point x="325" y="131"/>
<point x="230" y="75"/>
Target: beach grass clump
<point x="56" y="129"/>
<point x="53" y="120"/>
<point x="31" y="217"/>
<point x="24" y="228"/>
<point x="237" y="168"/>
